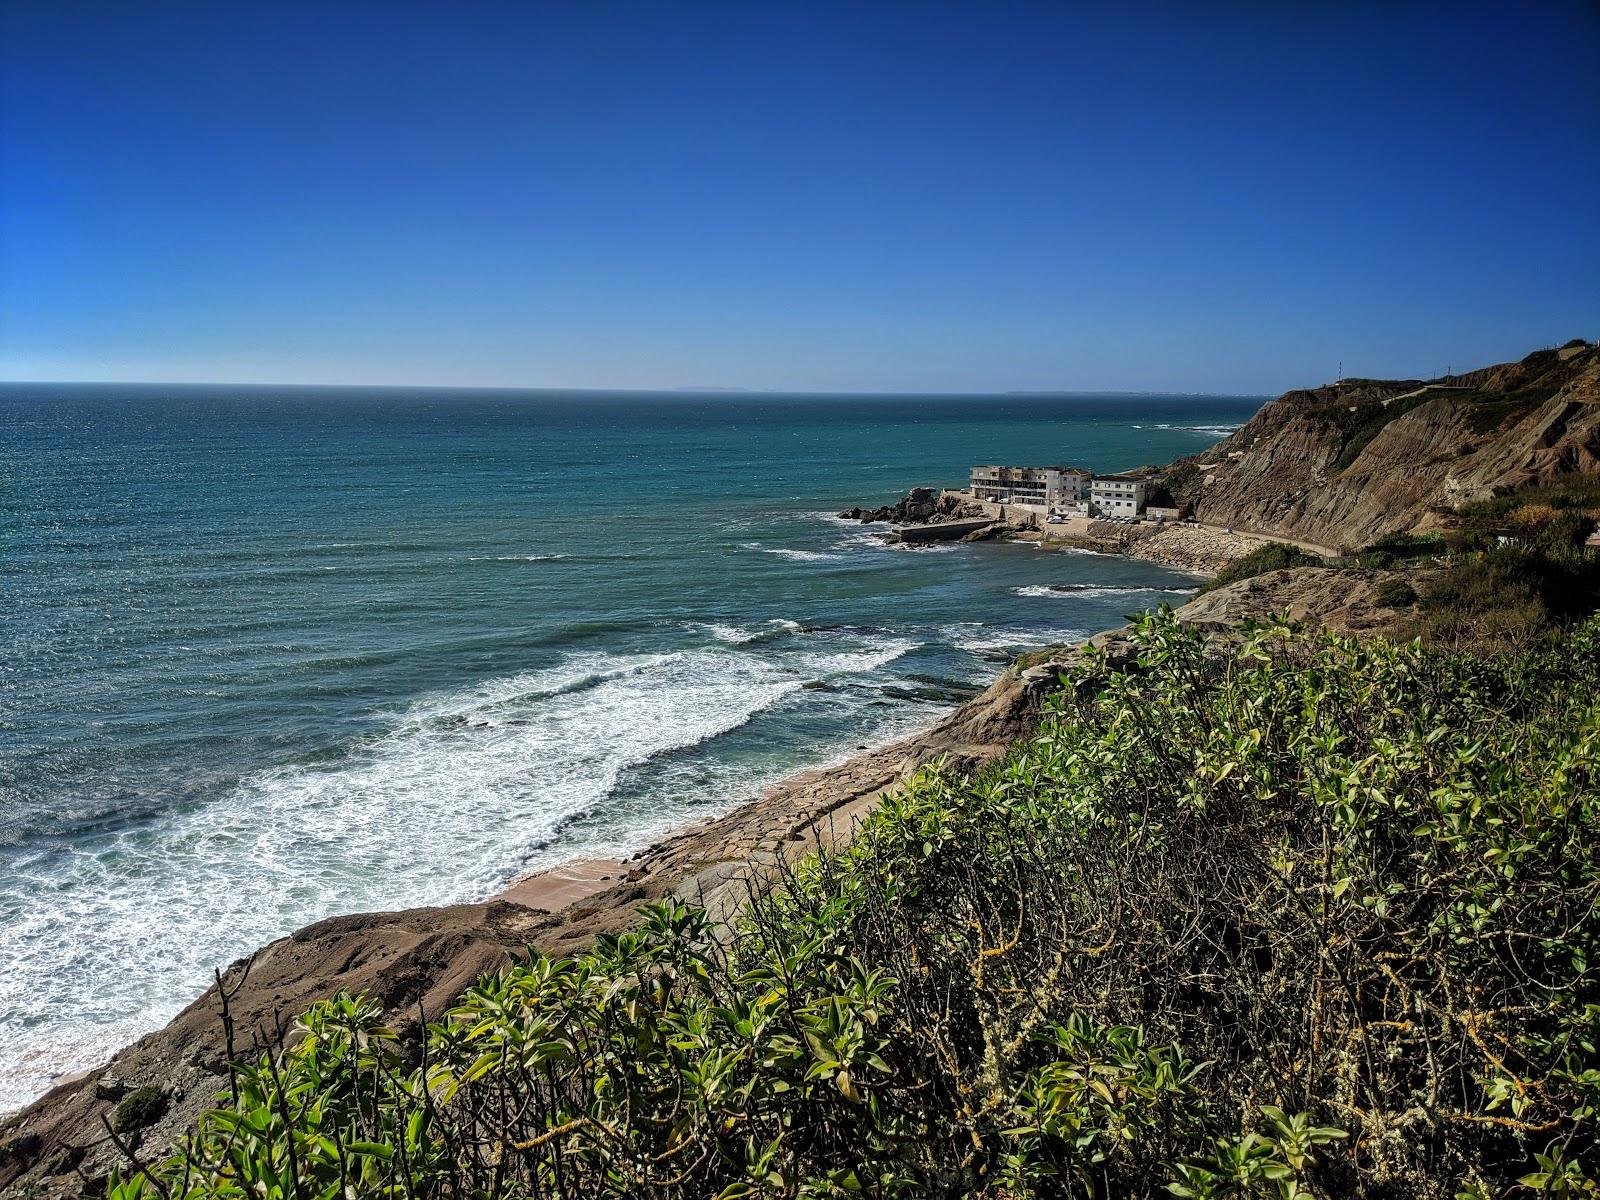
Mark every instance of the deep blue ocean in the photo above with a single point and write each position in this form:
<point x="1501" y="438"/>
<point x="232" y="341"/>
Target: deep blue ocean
<point x="271" y="654"/>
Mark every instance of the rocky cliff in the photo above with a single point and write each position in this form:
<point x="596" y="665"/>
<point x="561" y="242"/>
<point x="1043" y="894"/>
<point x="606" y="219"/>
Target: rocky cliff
<point x="1344" y="464"/>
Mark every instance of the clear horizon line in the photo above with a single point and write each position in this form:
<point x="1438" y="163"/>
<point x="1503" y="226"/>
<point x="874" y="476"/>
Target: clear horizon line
<point x="704" y="390"/>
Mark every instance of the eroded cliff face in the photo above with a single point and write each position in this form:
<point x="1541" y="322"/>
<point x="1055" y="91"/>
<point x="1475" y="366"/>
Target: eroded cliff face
<point x="1345" y="464"/>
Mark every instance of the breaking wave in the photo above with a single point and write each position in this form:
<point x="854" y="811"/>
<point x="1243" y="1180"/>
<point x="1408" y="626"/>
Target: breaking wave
<point x="1093" y="591"/>
<point x="460" y="793"/>
<point x="516" y="557"/>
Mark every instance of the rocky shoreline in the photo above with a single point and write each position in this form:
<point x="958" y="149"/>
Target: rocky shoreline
<point x="416" y="962"/>
<point x="925" y="514"/>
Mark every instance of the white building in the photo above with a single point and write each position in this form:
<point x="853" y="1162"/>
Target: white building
<point x="1050" y="488"/>
<point x="1117" y="496"/>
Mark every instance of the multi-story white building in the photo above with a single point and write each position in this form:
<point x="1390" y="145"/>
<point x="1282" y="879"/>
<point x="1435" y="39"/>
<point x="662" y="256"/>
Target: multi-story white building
<point x="1117" y="496"/>
<point x="1049" y="488"/>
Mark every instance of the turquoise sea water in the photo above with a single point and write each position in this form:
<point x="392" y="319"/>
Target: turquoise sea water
<point x="271" y="654"/>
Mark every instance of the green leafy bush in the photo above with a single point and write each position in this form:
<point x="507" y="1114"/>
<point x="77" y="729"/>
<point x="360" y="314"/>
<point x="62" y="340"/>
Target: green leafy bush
<point x="1406" y="545"/>
<point x="1283" y="916"/>
<point x="1395" y="593"/>
<point x="1580" y="492"/>
<point x="1274" y="556"/>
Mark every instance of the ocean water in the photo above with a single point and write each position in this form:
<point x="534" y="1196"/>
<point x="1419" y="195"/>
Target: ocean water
<point x="271" y="654"/>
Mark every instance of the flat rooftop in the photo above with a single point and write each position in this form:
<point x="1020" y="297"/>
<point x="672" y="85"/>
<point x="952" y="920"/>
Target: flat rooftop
<point x="1002" y="467"/>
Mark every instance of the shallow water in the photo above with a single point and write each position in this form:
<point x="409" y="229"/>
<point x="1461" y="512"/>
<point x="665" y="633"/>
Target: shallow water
<point x="274" y="654"/>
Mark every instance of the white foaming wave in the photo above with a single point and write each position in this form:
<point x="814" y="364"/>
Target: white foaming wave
<point x="1222" y="430"/>
<point x="977" y="638"/>
<point x="834" y="518"/>
<point x="880" y="653"/>
<point x="732" y="635"/>
<point x="574" y="672"/>
<point x="798" y="555"/>
<point x="122" y="929"/>
<point x="714" y="788"/>
<point x="1215" y="430"/>
<point x="1092" y="591"/>
<point x="515" y="557"/>
<point x="863" y="541"/>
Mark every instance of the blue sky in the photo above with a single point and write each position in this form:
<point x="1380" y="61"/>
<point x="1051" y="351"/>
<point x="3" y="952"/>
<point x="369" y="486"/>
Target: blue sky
<point x="856" y="196"/>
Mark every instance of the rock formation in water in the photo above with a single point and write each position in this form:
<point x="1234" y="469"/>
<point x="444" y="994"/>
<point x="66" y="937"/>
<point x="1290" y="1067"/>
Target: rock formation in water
<point x="919" y="506"/>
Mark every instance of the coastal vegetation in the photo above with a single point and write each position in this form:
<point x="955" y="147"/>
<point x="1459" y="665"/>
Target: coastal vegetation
<point x="1508" y="596"/>
<point x="1274" y="556"/>
<point x="1360" y="423"/>
<point x="1396" y="592"/>
<point x="1400" y="548"/>
<point x="1569" y="499"/>
<point x="1518" y="568"/>
<point x="1276" y="914"/>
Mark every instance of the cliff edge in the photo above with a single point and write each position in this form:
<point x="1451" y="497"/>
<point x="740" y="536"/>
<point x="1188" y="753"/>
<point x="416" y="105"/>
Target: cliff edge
<point x="1345" y="464"/>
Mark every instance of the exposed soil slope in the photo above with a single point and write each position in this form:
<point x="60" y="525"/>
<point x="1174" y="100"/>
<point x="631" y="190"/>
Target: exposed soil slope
<point x="1345" y="464"/>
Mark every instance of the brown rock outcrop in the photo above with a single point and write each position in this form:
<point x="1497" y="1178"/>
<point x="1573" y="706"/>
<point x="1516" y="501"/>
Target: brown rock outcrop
<point x="1345" y="464"/>
<point x="919" y="506"/>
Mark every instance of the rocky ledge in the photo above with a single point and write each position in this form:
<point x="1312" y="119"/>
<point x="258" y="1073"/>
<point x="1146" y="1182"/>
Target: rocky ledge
<point x="1203" y="549"/>
<point x="919" y="506"/>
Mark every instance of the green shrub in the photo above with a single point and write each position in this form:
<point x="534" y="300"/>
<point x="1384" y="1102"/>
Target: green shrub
<point x="1274" y="556"/>
<point x="1366" y="422"/>
<point x="1396" y="593"/>
<point x="1287" y="916"/>
<point x="139" y="1109"/>
<point x="1183" y="482"/>
<point x="1491" y="410"/>
<point x="1510" y="597"/>
<point x="1406" y="545"/>
<point x="1570" y="492"/>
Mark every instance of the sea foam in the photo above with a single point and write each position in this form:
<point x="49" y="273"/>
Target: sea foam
<point x="460" y="793"/>
<point x="1090" y="591"/>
